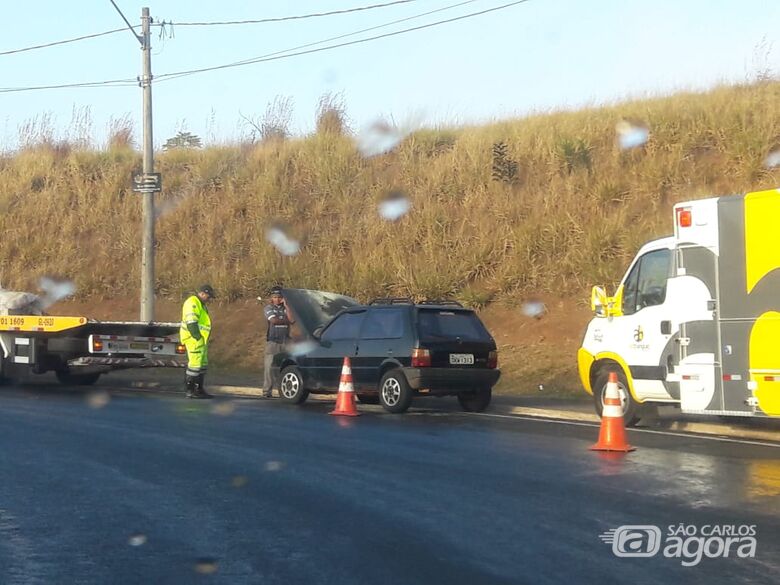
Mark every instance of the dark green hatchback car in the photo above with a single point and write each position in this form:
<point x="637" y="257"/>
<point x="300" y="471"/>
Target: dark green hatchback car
<point x="398" y="349"/>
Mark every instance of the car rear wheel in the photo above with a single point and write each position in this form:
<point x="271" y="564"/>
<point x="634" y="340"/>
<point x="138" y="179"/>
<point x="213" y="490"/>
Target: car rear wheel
<point x="475" y="401"/>
<point x="395" y="395"/>
<point x="628" y="404"/>
<point x="291" y="386"/>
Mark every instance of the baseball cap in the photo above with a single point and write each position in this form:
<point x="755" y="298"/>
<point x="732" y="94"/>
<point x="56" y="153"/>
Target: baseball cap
<point x="277" y="290"/>
<point x="207" y="288"/>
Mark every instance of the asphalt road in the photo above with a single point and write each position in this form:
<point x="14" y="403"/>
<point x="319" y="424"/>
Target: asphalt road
<point x="151" y="488"/>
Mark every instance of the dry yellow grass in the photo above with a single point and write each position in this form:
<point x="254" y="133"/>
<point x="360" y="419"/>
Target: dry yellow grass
<point x="576" y="212"/>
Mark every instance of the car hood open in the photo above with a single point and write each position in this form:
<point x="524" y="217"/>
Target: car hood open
<point x="315" y="308"/>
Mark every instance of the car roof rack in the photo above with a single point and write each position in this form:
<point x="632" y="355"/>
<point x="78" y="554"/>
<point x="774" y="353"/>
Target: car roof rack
<point x="392" y="301"/>
<point x="444" y="302"/>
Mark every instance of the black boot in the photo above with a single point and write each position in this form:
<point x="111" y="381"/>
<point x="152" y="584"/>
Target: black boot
<point x="200" y="392"/>
<point x="191" y="385"/>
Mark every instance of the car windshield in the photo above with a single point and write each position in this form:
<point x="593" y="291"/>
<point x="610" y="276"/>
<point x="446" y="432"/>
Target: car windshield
<point x="437" y="324"/>
<point x="314" y="308"/>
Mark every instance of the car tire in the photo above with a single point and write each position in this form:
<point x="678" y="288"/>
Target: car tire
<point x="395" y="395"/>
<point x="368" y="398"/>
<point x="70" y="379"/>
<point x="291" y="387"/>
<point x="630" y="406"/>
<point x="475" y="401"/>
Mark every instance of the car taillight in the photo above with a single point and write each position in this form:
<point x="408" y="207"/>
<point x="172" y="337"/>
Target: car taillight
<point x="493" y="360"/>
<point x="684" y="217"/>
<point x="180" y="349"/>
<point x="421" y="358"/>
<point x="97" y="345"/>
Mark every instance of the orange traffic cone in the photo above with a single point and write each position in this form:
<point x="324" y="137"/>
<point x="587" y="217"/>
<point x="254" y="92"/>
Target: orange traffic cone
<point x="612" y="436"/>
<point x="345" y="401"/>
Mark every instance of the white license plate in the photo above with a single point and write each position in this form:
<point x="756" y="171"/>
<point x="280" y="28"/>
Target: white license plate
<point x="462" y="358"/>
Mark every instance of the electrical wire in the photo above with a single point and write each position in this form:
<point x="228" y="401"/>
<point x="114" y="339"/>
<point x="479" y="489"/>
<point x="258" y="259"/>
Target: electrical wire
<point x="216" y="23"/>
<point x="287" y="53"/>
<point x="282" y="54"/>
<point x="298" y="17"/>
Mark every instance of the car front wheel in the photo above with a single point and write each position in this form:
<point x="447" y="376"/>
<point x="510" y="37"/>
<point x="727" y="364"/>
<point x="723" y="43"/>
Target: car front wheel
<point x="291" y="386"/>
<point x="395" y="395"/>
<point x="628" y="405"/>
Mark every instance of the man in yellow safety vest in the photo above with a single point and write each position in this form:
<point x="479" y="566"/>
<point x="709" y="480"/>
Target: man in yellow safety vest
<point x="194" y="334"/>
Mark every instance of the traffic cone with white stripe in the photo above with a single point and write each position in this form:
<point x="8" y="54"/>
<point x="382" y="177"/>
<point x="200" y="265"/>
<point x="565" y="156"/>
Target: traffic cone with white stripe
<point x="612" y="436"/>
<point x="345" y="401"/>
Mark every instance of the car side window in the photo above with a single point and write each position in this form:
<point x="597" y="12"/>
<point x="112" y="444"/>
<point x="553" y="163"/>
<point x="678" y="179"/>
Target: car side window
<point x="346" y="326"/>
<point x="383" y="324"/>
<point x="646" y="283"/>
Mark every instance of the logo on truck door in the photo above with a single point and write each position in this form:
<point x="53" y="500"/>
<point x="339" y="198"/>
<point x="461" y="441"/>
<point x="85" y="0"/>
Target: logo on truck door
<point x="639" y="335"/>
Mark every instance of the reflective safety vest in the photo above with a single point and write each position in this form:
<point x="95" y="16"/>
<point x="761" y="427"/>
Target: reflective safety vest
<point x="194" y="311"/>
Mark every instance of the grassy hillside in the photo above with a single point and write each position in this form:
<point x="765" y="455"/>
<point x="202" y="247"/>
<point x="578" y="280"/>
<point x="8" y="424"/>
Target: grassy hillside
<point x="557" y="207"/>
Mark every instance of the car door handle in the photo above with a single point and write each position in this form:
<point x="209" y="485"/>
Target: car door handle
<point x="666" y="327"/>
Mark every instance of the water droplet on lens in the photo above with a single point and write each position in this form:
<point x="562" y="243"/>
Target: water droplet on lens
<point x="302" y="348"/>
<point x="98" y="399"/>
<point x="273" y="465"/>
<point x="394" y="206"/>
<point x="239" y="481"/>
<point x="773" y="159"/>
<point x="137" y="539"/>
<point x="534" y="309"/>
<point x="206" y="566"/>
<point x="278" y="237"/>
<point x="631" y="135"/>
<point x="55" y="290"/>
<point x="378" y="138"/>
<point x="224" y="408"/>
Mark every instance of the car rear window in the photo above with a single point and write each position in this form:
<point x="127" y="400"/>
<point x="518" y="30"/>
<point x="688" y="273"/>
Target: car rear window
<point x="437" y="324"/>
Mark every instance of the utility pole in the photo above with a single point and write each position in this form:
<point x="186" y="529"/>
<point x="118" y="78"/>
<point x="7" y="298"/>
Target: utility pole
<point x="147" y="252"/>
<point x="147" y="182"/>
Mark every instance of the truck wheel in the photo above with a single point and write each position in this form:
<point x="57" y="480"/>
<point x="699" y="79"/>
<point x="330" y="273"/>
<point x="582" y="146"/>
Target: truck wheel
<point x="395" y="395"/>
<point x="475" y="401"/>
<point x="291" y="386"/>
<point x="630" y="406"/>
<point x="77" y="379"/>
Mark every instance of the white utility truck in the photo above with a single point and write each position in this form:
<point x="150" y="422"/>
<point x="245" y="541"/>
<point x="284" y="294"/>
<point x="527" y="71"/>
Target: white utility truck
<point x="78" y="350"/>
<point x="696" y="319"/>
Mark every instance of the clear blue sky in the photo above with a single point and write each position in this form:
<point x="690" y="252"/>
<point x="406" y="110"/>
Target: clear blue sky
<point x="544" y="54"/>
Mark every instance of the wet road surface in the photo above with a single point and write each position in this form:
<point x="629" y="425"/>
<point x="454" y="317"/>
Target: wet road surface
<point x="150" y="488"/>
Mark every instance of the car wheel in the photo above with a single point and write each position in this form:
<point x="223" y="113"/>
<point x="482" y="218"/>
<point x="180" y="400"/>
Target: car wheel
<point x="395" y="395"/>
<point x="475" y="401"/>
<point x="628" y="404"/>
<point x="368" y="398"/>
<point x="291" y="386"/>
<point x="77" y="379"/>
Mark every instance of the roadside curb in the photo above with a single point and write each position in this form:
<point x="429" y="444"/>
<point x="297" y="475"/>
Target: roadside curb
<point x="692" y="427"/>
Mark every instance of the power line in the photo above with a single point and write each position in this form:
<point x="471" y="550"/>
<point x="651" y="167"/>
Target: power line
<point x="265" y="20"/>
<point x="277" y="56"/>
<point x="298" y="17"/>
<point x="64" y="42"/>
<point x="107" y="83"/>
<point x="280" y="54"/>
<point x="127" y="22"/>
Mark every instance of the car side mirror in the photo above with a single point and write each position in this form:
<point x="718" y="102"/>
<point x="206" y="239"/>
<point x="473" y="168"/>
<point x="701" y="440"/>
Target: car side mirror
<point x="317" y="332"/>
<point x="598" y="301"/>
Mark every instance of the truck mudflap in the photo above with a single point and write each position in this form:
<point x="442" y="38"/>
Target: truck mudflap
<point x="128" y="362"/>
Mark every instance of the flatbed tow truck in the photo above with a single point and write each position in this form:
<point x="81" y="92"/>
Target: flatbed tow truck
<point x="79" y="350"/>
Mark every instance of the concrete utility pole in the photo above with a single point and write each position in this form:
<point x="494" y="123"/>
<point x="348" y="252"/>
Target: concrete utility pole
<point x="147" y="252"/>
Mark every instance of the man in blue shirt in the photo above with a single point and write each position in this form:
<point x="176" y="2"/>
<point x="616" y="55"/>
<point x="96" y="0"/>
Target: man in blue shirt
<point x="279" y="319"/>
